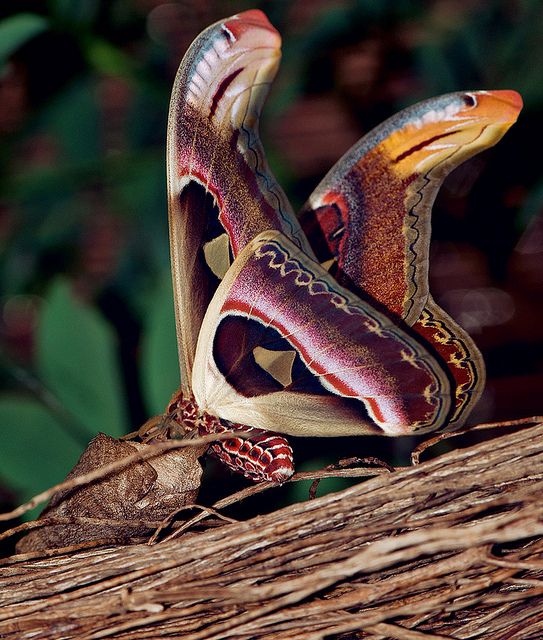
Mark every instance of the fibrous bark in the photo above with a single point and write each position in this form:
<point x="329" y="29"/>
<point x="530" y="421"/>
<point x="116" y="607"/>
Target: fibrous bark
<point x="450" y="548"/>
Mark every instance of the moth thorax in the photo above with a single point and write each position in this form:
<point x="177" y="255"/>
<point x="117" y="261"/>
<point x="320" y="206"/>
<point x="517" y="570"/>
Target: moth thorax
<point x="185" y="411"/>
<point x="210" y="424"/>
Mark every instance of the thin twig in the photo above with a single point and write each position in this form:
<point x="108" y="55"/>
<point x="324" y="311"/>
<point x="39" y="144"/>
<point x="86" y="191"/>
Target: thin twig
<point x="152" y="451"/>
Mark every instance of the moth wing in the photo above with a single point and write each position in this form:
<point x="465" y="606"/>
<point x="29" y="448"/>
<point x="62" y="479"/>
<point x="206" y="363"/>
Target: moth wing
<point x="376" y="201"/>
<point x="284" y="347"/>
<point x="221" y="193"/>
<point x="375" y="206"/>
<point x="461" y="355"/>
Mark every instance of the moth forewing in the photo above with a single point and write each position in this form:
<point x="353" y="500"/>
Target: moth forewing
<point x="221" y="192"/>
<point x="382" y="191"/>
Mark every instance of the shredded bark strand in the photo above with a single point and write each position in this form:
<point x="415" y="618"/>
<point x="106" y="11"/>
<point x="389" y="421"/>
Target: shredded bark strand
<point x="450" y="548"/>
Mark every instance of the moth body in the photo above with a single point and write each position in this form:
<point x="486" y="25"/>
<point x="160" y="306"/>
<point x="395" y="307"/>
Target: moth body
<point x="260" y="456"/>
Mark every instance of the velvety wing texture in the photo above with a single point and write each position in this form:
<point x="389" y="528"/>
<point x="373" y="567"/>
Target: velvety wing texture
<point x="284" y="347"/>
<point x="221" y="192"/>
<point x="370" y="217"/>
<point x="371" y="213"/>
<point x="459" y="352"/>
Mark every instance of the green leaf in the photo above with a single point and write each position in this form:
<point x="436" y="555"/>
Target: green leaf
<point x="73" y="119"/>
<point x="16" y="30"/>
<point x="436" y="69"/>
<point x="159" y="362"/>
<point x="77" y="361"/>
<point x="36" y="450"/>
<point x="299" y="491"/>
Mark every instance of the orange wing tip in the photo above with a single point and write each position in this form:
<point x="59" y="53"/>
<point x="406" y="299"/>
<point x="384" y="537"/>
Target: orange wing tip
<point x="502" y="105"/>
<point x="510" y="97"/>
<point x="242" y="22"/>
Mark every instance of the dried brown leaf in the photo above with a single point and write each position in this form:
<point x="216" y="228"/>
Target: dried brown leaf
<point x="124" y="505"/>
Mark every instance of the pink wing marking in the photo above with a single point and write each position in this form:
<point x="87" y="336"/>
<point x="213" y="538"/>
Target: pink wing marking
<point x="219" y="92"/>
<point x="372" y="360"/>
<point x="214" y="148"/>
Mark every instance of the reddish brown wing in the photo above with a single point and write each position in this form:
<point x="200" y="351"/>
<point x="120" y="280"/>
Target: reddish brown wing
<point x="371" y="213"/>
<point x="369" y="219"/>
<point x="221" y="192"/>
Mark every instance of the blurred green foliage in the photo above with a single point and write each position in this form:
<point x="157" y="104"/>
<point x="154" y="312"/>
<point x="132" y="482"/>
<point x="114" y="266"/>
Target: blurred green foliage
<point x="84" y="266"/>
<point x="76" y="359"/>
<point x="18" y="29"/>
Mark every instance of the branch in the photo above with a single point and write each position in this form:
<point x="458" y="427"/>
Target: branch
<point x="450" y="548"/>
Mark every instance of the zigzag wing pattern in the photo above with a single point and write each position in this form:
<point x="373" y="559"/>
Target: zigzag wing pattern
<point x="309" y="357"/>
<point x="369" y="219"/>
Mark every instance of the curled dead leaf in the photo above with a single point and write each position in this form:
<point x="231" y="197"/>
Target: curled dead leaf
<point x="124" y="506"/>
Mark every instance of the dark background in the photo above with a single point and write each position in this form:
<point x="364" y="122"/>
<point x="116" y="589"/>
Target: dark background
<point x="86" y="320"/>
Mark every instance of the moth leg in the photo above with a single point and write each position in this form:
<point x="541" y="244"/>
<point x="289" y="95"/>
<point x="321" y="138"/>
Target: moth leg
<point x="154" y="429"/>
<point x="260" y="455"/>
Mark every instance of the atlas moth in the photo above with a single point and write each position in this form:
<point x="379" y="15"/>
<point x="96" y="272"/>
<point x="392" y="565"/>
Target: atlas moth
<point x="320" y="324"/>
